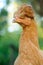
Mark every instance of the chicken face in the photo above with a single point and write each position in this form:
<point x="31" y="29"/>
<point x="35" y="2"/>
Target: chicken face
<point x="24" y="15"/>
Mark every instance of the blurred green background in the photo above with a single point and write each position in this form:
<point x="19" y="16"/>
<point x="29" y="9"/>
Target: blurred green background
<point x="10" y="32"/>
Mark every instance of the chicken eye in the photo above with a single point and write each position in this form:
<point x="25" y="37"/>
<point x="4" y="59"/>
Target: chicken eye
<point x="29" y="17"/>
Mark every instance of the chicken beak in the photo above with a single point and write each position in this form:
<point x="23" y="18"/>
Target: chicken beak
<point x="14" y="21"/>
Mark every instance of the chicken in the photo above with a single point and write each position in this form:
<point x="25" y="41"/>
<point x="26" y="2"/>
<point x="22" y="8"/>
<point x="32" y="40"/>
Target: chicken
<point x="29" y="50"/>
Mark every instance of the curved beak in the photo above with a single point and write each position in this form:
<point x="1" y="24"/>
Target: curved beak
<point x="14" y="21"/>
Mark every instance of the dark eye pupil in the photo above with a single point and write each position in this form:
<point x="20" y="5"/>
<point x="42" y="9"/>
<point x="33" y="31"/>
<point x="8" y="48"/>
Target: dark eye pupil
<point x="29" y="16"/>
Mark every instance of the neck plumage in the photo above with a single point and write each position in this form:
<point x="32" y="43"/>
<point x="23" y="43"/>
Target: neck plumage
<point x="29" y="34"/>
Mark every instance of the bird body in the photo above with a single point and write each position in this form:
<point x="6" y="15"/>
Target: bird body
<point x="29" y="50"/>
